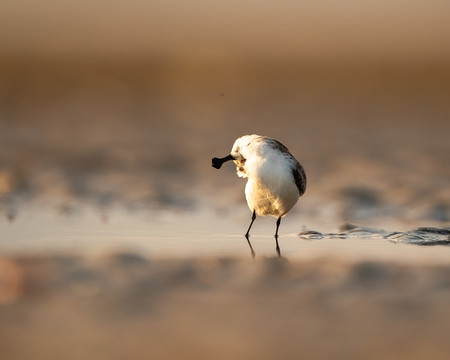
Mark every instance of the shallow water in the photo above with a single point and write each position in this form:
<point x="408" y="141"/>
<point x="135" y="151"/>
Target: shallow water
<point x="169" y="234"/>
<point x="76" y="307"/>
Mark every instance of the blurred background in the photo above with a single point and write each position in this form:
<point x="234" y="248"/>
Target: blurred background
<point x="110" y="113"/>
<point x="122" y="104"/>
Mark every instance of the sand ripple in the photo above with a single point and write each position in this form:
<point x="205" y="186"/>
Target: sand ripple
<point x="419" y="236"/>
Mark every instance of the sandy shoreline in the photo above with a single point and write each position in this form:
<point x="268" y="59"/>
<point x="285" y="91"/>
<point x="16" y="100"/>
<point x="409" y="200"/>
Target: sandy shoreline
<point x="118" y="240"/>
<point x="127" y="306"/>
<point x="91" y="153"/>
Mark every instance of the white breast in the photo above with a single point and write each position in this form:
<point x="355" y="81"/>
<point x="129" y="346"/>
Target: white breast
<point x="271" y="189"/>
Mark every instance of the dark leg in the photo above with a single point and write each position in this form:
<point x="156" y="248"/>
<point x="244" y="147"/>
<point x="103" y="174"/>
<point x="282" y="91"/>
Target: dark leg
<point x="247" y="234"/>
<point x="276" y="237"/>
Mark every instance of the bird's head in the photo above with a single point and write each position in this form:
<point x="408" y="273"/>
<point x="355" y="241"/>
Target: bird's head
<point x="240" y="151"/>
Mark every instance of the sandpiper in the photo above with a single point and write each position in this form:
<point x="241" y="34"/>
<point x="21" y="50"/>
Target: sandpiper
<point x="276" y="179"/>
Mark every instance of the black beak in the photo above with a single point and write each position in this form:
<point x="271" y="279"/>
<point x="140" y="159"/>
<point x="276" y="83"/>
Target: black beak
<point x="217" y="163"/>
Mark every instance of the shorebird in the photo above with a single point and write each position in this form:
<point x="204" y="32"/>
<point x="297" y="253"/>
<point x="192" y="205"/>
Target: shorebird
<point x="276" y="179"/>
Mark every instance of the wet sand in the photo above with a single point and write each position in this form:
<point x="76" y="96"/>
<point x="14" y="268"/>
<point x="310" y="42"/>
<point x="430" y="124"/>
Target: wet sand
<point x="131" y="143"/>
<point x="119" y="241"/>
<point x="128" y="306"/>
<point x="373" y="294"/>
<point x="139" y="135"/>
